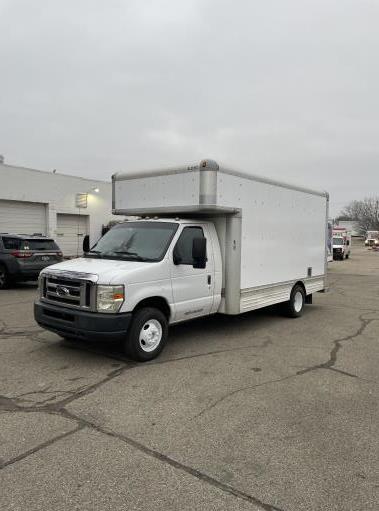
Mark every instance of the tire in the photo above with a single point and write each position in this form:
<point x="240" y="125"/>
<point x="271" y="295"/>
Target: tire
<point x="295" y="306"/>
<point x="347" y="256"/>
<point x="4" y="277"/>
<point x="147" y="335"/>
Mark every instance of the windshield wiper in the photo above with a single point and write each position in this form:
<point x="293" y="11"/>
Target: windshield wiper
<point x="128" y="253"/>
<point x="120" y="253"/>
<point x="133" y="254"/>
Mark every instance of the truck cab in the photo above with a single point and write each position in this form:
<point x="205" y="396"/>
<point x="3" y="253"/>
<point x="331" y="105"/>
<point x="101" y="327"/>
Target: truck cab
<point x="161" y="267"/>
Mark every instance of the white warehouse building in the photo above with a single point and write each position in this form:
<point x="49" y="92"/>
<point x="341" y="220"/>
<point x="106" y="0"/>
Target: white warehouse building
<point x="60" y="206"/>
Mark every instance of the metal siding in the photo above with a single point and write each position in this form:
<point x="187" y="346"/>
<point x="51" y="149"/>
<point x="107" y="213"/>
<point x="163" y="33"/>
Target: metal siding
<point x="264" y="296"/>
<point x="258" y="298"/>
<point x="19" y="217"/>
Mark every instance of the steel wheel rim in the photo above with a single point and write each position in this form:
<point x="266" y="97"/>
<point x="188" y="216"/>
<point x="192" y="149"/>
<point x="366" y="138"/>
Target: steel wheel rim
<point x="298" y="301"/>
<point x="150" y="335"/>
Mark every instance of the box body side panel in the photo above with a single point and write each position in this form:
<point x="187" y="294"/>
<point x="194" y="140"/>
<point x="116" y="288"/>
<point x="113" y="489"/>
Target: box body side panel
<point x="157" y="192"/>
<point x="283" y="231"/>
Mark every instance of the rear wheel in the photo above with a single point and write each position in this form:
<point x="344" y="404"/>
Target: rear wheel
<point x="4" y="277"/>
<point x="295" y="306"/>
<point x="147" y="334"/>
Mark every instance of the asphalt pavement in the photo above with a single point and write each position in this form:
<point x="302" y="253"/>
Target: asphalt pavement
<point x="257" y="412"/>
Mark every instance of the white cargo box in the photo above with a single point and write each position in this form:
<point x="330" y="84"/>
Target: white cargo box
<point x="271" y="234"/>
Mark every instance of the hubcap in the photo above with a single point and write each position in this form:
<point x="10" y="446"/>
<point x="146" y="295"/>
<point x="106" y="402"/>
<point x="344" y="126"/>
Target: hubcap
<point x="298" y="301"/>
<point x="2" y="277"/>
<point x="150" y="335"/>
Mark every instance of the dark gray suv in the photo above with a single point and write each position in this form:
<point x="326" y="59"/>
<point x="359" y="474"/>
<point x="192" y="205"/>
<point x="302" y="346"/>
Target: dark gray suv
<point x="22" y="257"/>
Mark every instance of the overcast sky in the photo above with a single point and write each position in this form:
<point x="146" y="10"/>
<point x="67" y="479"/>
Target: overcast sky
<point x="284" y="88"/>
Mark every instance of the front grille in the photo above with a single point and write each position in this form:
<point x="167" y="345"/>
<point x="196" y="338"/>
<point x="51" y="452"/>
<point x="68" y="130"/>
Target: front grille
<point x="68" y="292"/>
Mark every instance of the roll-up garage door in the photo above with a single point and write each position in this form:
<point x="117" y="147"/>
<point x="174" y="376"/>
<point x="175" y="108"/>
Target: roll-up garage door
<point x="71" y="230"/>
<point x="19" y="217"/>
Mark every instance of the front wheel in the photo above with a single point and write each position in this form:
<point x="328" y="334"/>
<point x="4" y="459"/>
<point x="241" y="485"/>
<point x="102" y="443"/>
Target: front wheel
<point x="295" y="306"/>
<point x="147" y="334"/>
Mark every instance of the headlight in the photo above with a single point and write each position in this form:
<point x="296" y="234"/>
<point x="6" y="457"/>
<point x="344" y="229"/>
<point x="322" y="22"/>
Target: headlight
<point x="109" y="298"/>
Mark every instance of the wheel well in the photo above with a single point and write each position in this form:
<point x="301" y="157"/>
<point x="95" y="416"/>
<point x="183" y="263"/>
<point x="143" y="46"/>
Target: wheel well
<point x="301" y="284"/>
<point x="157" y="302"/>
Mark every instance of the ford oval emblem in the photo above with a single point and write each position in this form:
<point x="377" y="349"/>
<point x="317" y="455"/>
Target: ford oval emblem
<point x="62" y="291"/>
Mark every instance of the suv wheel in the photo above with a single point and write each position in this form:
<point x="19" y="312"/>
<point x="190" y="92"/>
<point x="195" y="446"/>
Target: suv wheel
<point x="4" y="277"/>
<point x="147" y="334"/>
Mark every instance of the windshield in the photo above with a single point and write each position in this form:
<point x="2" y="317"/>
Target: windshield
<point x="337" y="241"/>
<point x="135" y="241"/>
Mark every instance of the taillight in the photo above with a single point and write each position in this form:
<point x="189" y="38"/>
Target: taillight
<point x="20" y="254"/>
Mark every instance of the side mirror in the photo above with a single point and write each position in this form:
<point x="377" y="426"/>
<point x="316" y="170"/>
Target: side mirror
<point x="86" y="243"/>
<point x="199" y="252"/>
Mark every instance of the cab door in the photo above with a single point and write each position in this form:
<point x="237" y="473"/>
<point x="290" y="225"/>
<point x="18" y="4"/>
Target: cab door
<point x="192" y="287"/>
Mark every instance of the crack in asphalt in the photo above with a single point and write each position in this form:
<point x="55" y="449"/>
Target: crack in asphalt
<point x="58" y="407"/>
<point x="226" y="488"/>
<point x="329" y="364"/>
<point x="345" y="373"/>
<point x="264" y="344"/>
<point x="52" y="393"/>
<point x="237" y="391"/>
<point x="337" y="346"/>
<point x="9" y="404"/>
<point x="39" y="447"/>
<point x="6" y="402"/>
<point x="121" y="357"/>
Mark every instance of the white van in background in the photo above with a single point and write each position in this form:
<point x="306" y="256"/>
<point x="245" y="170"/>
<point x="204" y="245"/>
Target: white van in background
<point x="341" y="243"/>
<point x="372" y="239"/>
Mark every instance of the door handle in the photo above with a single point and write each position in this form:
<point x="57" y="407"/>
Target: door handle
<point x="209" y="279"/>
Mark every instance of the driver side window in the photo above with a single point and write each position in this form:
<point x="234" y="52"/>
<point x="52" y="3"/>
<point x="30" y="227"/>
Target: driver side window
<point x="183" y="247"/>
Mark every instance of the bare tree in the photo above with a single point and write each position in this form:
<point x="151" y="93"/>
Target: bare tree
<point x="365" y="214"/>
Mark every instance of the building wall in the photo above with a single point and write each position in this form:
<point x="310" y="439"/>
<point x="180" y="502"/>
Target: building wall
<point x="58" y="192"/>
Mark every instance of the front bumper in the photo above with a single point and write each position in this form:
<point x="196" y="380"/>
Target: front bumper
<point x="80" y="324"/>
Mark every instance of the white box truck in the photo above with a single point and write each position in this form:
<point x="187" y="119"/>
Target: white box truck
<point x="208" y="239"/>
<point x="341" y="243"/>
